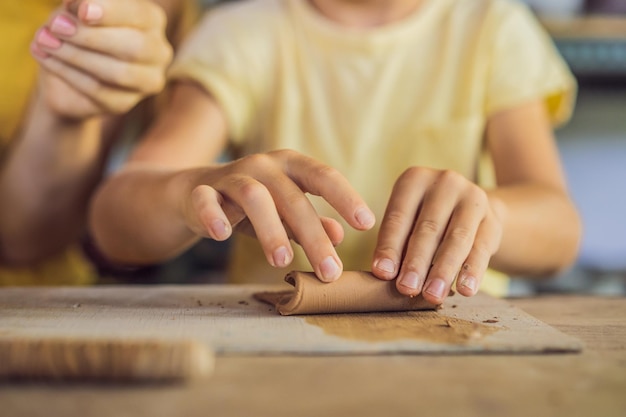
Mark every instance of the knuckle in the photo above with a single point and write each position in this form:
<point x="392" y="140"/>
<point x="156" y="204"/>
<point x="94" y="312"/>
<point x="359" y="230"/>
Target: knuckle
<point x="394" y="219"/>
<point x="283" y="153"/>
<point x="168" y="52"/>
<point x="158" y="16"/>
<point x="427" y="226"/>
<point x="451" y="177"/>
<point x="259" y="161"/>
<point x="117" y="104"/>
<point x="134" y="48"/>
<point x="326" y="171"/>
<point x="411" y="173"/>
<point x="415" y="263"/>
<point x="122" y="75"/>
<point x="251" y="192"/>
<point x="199" y="194"/>
<point x="461" y="234"/>
<point x="478" y="196"/>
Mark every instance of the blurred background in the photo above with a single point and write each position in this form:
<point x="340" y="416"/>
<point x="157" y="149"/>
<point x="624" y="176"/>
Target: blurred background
<point x="591" y="36"/>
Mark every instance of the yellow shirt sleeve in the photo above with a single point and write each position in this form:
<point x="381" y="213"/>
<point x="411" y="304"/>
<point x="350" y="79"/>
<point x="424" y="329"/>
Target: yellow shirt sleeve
<point x="70" y="267"/>
<point x="525" y="64"/>
<point x="210" y="58"/>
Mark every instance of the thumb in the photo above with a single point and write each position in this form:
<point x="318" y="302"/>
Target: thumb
<point x="85" y="11"/>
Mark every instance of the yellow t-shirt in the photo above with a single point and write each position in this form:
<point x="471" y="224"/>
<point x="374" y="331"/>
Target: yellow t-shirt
<point x="371" y="103"/>
<point x="18" y="23"/>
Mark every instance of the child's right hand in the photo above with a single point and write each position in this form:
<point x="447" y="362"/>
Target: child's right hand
<point x="264" y="194"/>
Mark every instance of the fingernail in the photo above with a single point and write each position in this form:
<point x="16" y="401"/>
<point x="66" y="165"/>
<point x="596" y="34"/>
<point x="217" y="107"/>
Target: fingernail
<point x="365" y="217"/>
<point x="93" y="12"/>
<point x="329" y="269"/>
<point x="469" y="283"/>
<point x="436" y="288"/>
<point x="61" y="25"/>
<point x="410" y="280"/>
<point x="220" y="229"/>
<point x="386" y="265"/>
<point x="35" y="50"/>
<point x="281" y="257"/>
<point x="44" y="38"/>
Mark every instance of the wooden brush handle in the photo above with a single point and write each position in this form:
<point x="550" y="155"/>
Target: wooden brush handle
<point x="106" y="360"/>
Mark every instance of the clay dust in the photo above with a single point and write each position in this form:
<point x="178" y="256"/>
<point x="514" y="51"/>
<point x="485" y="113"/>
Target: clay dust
<point x="423" y="325"/>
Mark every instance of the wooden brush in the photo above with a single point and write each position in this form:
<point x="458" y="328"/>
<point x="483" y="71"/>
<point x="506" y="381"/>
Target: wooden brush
<point x="123" y="360"/>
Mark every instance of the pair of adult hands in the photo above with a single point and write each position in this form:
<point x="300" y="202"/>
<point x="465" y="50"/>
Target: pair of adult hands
<point x="101" y="56"/>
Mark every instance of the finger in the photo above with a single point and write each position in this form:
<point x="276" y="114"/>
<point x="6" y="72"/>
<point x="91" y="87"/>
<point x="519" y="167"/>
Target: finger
<point x="105" y="68"/>
<point x="322" y="180"/>
<point x="333" y="229"/>
<point x="300" y="216"/>
<point x="206" y="202"/>
<point x="124" y="43"/>
<point x="298" y="212"/>
<point x="454" y="248"/>
<point x="37" y="51"/>
<point x="111" y="100"/>
<point x="430" y="225"/>
<point x="258" y="204"/>
<point x="397" y="223"/>
<point x="139" y="14"/>
<point x="485" y="245"/>
<point x="331" y="226"/>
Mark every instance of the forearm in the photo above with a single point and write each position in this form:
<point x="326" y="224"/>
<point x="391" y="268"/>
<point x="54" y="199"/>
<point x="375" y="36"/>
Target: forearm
<point x="541" y="230"/>
<point x="45" y="182"/>
<point x="136" y="217"/>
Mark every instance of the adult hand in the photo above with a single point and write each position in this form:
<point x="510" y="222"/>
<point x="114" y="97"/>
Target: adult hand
<point x="267" y="191"/>
<point x="101" y="56"/>
<point x="438" y="226"/>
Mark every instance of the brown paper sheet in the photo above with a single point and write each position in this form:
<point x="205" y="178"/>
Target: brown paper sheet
<point x="353" y="292"/>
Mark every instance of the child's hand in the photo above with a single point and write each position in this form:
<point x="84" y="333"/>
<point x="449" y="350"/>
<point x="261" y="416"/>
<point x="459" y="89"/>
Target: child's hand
<point x="267" y="192"/>
<point x="437" y="225"/>
<point x="101" y="56"/>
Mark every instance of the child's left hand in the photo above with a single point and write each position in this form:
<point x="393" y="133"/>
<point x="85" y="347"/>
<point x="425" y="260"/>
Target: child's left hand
<point x="438" y="226"/>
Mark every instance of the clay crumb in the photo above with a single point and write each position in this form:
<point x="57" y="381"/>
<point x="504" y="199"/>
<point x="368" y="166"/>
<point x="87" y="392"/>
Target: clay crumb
<point x="199" y="303"/>
<point x="243" y="302"/>
<point x="76" y="305"/>
<point x="453" y="306"/>
<point x="491" y="321"/>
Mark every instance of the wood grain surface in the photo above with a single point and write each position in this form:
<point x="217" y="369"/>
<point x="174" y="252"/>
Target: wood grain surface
<point x="230" y="321"/>
<point x="590" y="383"/>
<point x="113" y="360"/>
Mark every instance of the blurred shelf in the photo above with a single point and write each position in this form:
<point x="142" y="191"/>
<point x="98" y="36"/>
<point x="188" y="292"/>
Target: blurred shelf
<point x="587" y="27"/>
<point x="594" y="46"/>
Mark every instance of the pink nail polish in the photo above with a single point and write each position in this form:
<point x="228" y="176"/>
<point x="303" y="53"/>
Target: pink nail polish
<point x="61" y="25"/>
<point x="45" y="39"/>
<point x="36" y="50"/>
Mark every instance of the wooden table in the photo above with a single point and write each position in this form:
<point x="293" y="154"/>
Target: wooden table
<point x="592" y="383"/>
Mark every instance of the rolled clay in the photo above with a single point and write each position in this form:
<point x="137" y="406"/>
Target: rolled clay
<point x="353" y="292"/>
